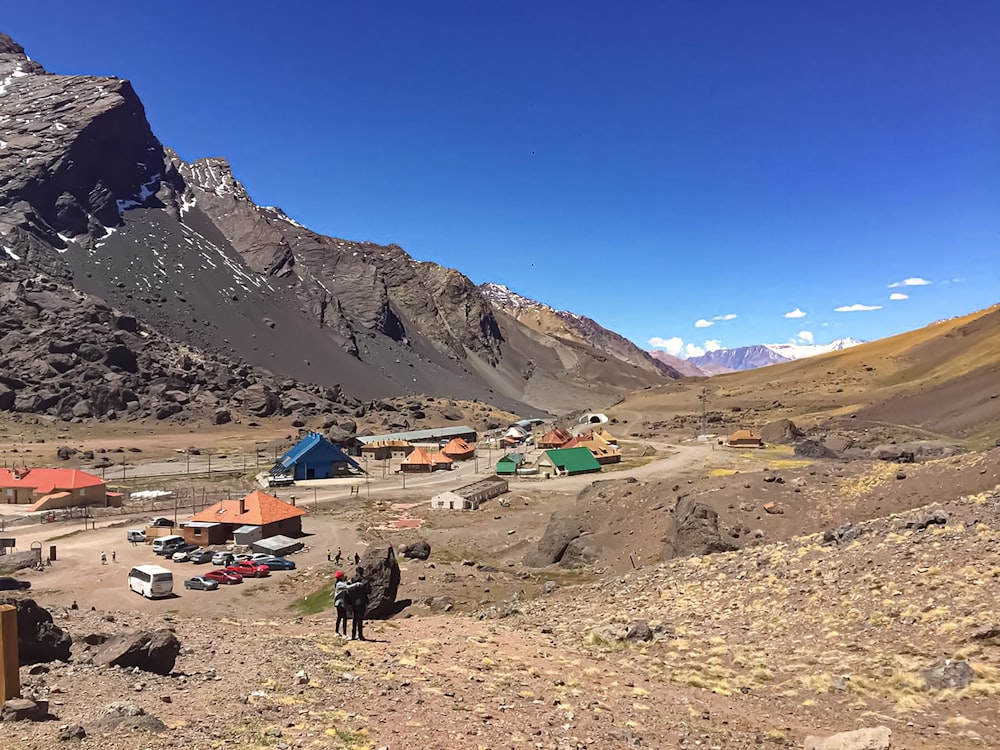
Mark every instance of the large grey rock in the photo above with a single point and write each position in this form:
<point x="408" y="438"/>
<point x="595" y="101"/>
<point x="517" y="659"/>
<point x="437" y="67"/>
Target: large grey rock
<point x="780" y="432"/>
<point x="419" y="550"/>
<point x="382" y="572"/>
<point x="559" y="533"/>
<point x="39" y="639"/>
<point x="154" y="651"/>
<point x="22" y="709"/>
<point x="875" y="738"/>
<point x="949" y="674"/>
<point x="696" y="531"/>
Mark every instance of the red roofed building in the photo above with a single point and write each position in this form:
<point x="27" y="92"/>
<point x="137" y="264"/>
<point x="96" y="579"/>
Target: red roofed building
<point x="458" y="450"/>
<point x="265" y="514"/>
<point x="48" y="489"/>
<point x="557" y="437"/>
<point x="422" y="461"/>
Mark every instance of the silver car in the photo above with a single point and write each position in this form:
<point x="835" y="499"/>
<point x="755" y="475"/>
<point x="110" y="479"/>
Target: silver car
<point x="222" y="558"/>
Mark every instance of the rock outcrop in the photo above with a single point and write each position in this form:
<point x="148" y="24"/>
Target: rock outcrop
<point x="151" y="651"/>
<point x="39" y="639"/>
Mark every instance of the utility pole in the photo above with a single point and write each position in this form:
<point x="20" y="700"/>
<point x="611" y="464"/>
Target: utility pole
<point x="703" y="397"/>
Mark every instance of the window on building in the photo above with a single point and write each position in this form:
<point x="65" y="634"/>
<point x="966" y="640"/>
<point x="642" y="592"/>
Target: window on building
<point x="197" y="532"/>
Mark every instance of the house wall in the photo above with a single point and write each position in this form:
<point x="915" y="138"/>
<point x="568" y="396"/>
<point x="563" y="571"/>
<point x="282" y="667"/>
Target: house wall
<point x="97" y="495"/>
<point x="204" y="537"/>
<point x="287" y="527"/>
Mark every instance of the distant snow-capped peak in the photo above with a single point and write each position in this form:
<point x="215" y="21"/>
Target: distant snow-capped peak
<point x="801" y="351"/>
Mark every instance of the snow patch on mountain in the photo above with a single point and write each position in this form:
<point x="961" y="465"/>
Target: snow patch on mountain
<point x="801" y="351"/>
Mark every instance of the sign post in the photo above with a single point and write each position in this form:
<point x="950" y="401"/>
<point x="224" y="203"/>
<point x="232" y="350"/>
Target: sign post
<point x="10" y="680"/>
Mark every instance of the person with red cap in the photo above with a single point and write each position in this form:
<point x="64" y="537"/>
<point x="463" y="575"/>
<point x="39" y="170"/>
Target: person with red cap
<point x="340" y="600"/>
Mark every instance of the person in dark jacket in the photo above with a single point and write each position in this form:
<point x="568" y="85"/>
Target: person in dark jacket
<point x="340" y="602"/>
<point x="357" y="600"/>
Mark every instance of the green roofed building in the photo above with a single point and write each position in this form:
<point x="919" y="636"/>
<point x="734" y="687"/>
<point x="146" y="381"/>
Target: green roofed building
<point x="567" y="462"/>
<point x="510" y="463"/>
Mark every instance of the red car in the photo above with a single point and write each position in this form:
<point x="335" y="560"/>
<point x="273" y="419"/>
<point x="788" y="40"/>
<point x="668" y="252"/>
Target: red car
<point x="249" y="569"/>
<point x="224" y="576"/>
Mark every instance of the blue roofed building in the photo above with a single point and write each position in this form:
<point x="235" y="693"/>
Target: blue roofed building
<point x="314" y="457"/>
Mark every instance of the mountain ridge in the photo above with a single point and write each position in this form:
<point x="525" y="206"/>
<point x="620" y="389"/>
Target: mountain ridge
<point x="94" y="200"/>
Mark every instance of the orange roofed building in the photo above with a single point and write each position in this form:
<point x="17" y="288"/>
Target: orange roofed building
<point x="422" y="461"/>
<point x="48" y="489"/>
<point x="257" y="515"/>
<point x="458" y="450"/>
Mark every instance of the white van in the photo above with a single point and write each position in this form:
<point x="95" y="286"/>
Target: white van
<point x="135" y="535"/>
<point x="152" y="581"/>
<point x="167" y="545"/>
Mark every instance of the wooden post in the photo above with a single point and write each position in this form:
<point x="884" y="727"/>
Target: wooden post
<point x="10" y="681"/>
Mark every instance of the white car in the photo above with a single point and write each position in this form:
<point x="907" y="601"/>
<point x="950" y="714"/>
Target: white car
<point x="183" y="555"/>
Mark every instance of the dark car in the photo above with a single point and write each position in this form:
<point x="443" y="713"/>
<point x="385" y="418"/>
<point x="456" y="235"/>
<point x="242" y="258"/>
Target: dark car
<point x="201" y="556"/>
<point x="14" y="584"/>
<point x="277" y="563"/>
<point x="201" y="583"/>
<point x="160" y="521"/>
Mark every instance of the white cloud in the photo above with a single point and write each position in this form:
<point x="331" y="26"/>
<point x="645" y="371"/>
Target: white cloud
<point x="898" y="296"/>
<point x="796" y="313"/>
<point x="673" y="346"/>
<point x="693" y="350"/>
<point x="702" y="323"/>
<point x="713" y="345"/>
<point x="727" y="316"/>
<point x="806" y="336"/>
<point x="912" y="281"/>
<point x="857" y="308"/>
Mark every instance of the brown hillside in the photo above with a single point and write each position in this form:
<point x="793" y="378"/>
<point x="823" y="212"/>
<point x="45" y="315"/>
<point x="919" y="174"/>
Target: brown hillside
<point x="940" y="380"/>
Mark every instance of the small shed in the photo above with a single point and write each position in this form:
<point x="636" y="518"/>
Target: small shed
<point x="567" y="462"/>
<point x="279" y="545"/>
<point x="452" y="501"/>
<point x="510" y="463"/>
<point x="247" y="535"/>
<point x="745" y="439"/>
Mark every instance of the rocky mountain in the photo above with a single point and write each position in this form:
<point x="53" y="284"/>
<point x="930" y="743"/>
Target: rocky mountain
<point x="761" y="355"/>
<point x="91" y="201"/>
<point x="575" y="330"/>
<point x="683" y="366"/>
<point x="740" y="358"/>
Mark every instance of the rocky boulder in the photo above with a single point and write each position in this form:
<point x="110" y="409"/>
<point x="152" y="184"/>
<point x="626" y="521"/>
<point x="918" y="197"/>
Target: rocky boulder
<point x="559" y="533"/>
<point x="22" y="709"/>
<point x="781" y="432"/>
<point x="154" y="651"/>
<point x="39" y="639"/>
<point x="419" y="550"/>
<point x="696" y="532"/>
<point x="382" y="572"/>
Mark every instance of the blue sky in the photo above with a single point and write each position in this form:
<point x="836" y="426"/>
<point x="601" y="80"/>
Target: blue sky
<point x="649" y="164"/>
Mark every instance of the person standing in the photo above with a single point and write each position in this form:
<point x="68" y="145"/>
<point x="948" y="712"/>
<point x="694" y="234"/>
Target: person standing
<point x="114" y="555"/>
<point x="340" y="592"/>
<point x="104" y="557"/>
<point x="338" y="556"/>
<point x="328" y="556"/>
<point x="357" y="598"/>
<point x="357" y="559"/>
